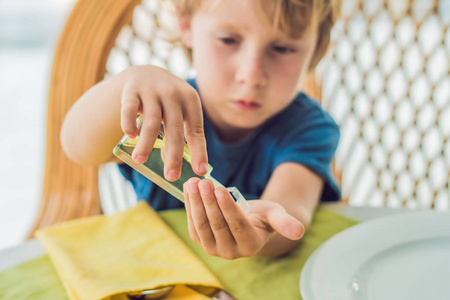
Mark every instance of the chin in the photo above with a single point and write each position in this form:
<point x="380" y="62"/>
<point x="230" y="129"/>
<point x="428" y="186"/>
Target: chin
<point x="245" y="123"/>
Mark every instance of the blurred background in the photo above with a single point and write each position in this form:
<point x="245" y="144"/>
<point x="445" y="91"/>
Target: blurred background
<point x="386" y="82"/>
<point x="28" y="33"/>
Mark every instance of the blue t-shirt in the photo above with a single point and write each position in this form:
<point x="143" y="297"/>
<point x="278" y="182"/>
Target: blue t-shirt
<point x="303" y="132"/>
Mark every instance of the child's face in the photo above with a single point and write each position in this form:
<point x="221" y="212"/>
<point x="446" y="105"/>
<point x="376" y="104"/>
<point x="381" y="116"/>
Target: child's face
<point x="246" y="72"/>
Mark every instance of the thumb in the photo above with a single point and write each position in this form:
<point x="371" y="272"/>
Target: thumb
<point x="285" y="224"/>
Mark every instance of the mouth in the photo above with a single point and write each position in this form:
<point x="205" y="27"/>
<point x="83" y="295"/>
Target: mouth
<point x="246" y="104"/>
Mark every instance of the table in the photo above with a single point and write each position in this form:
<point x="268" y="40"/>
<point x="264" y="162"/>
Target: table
<point x="31" y="249"/>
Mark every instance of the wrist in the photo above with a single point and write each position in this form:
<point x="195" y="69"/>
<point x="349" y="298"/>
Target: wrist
<point x="276" y="245"/>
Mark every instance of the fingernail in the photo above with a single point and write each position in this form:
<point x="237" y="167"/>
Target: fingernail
<point x="139" y="159"/>
<point x="172" y="175"/>
<point x="193" y="187"/>
<point x="204" y="188"/>
<point x="203" y="168"/>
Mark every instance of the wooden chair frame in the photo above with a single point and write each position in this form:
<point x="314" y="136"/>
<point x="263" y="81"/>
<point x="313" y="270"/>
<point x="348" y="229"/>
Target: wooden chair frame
<point x="70" y="190"/>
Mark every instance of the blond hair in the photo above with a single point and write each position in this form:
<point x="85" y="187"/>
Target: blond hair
<point x="291" y="17"/>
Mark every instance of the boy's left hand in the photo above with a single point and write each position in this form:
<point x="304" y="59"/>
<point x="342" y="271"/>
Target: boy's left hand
<point x="222" y="228"/>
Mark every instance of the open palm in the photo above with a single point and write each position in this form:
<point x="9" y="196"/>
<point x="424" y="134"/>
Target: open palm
<point x="219" y="225"/>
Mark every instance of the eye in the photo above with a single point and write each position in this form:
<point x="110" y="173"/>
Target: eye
<point x="229" y="41"/>
<point x="283" y="50"/>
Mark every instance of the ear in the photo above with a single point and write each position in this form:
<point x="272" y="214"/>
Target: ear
<point x="184" y="24"/>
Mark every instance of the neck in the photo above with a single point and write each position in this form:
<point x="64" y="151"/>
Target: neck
<point x="226" y="133"/>
<point x="232" y="135"/>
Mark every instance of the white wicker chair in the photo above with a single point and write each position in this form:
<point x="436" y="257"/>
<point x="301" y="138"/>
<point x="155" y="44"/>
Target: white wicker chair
<point x="386" y="82"/>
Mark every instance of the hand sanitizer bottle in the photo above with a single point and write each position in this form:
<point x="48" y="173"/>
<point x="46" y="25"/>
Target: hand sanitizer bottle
<point x="153" y="168"/>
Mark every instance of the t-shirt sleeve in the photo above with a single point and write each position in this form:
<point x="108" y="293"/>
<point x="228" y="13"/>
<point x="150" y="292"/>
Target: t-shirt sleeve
<point x="313" y="146"/>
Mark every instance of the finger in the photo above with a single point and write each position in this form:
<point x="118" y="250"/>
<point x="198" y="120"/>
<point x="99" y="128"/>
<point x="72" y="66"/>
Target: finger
<point x="191" y="227"/>
<point x="243" y="232"/>
<point x="174" y="139"/>
<point x="199" y="217"/>
<point x="194" y="132"/>
<point x="128" y="112"/>
<point x="285" y="224"/>
<point x="151" y="123"/>
<point x="222" y="234"/>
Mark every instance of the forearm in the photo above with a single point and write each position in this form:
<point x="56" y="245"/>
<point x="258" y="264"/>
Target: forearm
<point x="92" y="126"/>
<point x="297" y="190"/>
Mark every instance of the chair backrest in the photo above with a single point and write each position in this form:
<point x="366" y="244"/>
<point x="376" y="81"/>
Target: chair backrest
<point x="100" y="38"/>
<point x="103" y="37"/>
<point x="387" y="84"/>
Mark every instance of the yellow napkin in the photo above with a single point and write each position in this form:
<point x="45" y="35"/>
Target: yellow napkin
<point x="103" y="256"/>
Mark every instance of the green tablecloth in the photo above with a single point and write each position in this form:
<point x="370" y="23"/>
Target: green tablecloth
<point x="245" y="278"/>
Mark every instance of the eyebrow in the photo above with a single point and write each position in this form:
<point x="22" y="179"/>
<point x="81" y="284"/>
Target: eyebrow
<point x="228" y="25"/>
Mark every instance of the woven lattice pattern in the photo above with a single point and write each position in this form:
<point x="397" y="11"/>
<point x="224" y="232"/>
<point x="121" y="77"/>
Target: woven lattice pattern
<point x="386" y="82"/>
<point x="150" y="39"/>
<point x="387" y="85"/>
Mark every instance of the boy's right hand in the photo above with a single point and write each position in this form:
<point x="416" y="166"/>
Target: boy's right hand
<point x="162" y="97"/>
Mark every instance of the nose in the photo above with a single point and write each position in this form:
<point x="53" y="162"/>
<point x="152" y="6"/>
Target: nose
<point x="252" y="69"/>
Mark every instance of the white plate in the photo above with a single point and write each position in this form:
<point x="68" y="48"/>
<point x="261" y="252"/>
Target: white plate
<point x="401" y="257"/>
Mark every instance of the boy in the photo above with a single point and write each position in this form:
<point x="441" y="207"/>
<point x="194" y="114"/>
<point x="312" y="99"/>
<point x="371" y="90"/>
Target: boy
<point x="271" y="142"/>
